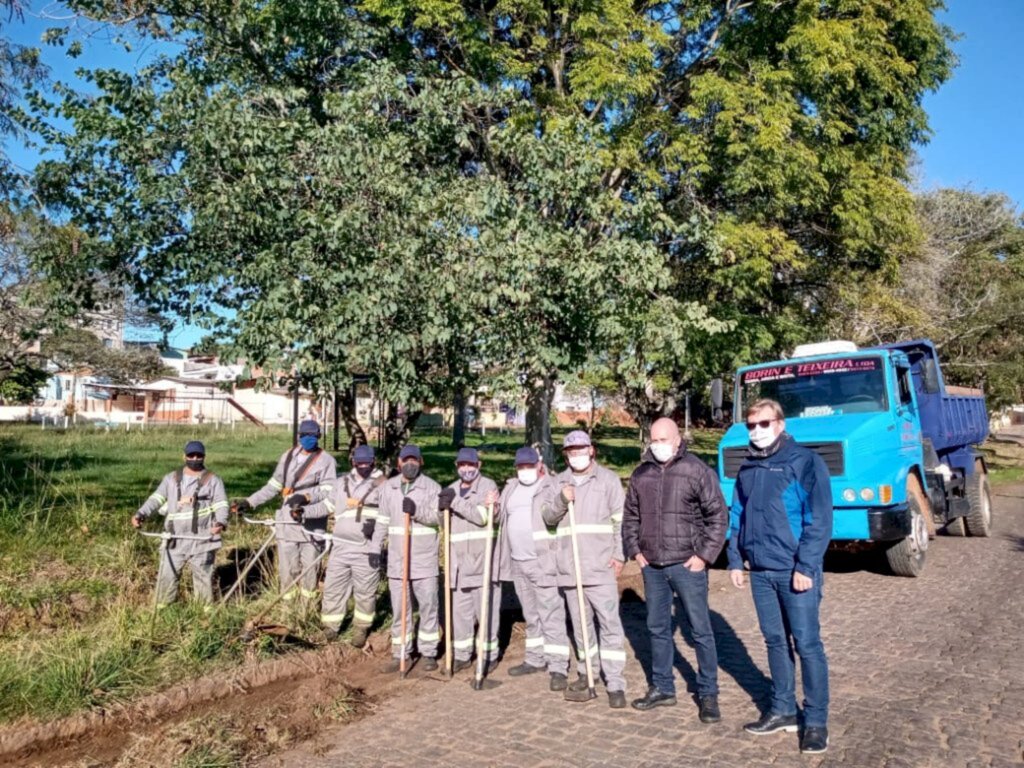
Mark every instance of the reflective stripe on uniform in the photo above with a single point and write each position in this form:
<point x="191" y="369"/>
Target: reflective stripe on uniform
<point x="204" y="512"/>
<point x="474" y="535"/>
<point x="329" y="504"/>
<point x="597" y="528"/>
<point x="557" y="650"/>
<point x="397" y="639"/>
<point x="369" y="513"/>
<point x="613" y="655"/>
<point x="544" y="535"/>
<point x="309" y="592"/>
<point x="326" y="488"/>
<point x="275" y="484"/>
<point x="463" y="645"/>
<point x="428" y="637"/>
<point x="332" y="618"/>
<point x="291" y="594"/>
<point x="394" y="530"/>
<point x="364" y="618"/>
<point x="591" y="653"/>
<point x="491" y="645"/>
<point x="159" y="497"/>
<point x="534" y="642"/>
<point x="616" y="517"/>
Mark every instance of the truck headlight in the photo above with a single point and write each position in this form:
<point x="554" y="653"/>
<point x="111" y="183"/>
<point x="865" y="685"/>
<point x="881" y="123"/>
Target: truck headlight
<point x="867" y="494"/>
<point x="849" y="494"/>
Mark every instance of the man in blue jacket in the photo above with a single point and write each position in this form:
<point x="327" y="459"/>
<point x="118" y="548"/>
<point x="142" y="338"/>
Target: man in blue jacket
<point x="780" y="524"/>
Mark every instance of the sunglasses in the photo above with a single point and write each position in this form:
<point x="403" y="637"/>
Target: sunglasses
<point x="762" y="424"/>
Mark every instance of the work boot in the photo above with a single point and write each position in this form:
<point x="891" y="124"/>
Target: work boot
<point x="359" y="636"/>
<point x="654" y="698"/>
<point x="330" y="634"/>
<point x="429" y="663"/>
<point x="708" y="711"/>
<point x="814" y="740"/>
<point x="772" y="723"/>
<point x="523" y="669"/>
<point x="579" y="684"/>
<point x="558" y="682"/>
<point x="393" y="666"/>
<point x="460" y="664"/>
<point x="586" y="694"/>
<point x="617" y="699"/>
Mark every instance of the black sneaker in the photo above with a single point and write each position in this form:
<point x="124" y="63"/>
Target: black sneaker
<point x="579" y="684"/>
<point x="654" y="698"/>
<point x="558" y="682"/>
<point x="617" y="699"/>
<point x="772" y="723"/>
<point x="814" y="740"/>
<point x="524" y="669"/>
<point x="460" y="664"/>
<point x="708" y="709"/>
<point x="429" y="663"/>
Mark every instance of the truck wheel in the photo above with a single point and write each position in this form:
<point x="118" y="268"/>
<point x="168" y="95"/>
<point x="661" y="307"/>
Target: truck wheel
<point x="906" y="557"/>
<point x="979" y="498"/>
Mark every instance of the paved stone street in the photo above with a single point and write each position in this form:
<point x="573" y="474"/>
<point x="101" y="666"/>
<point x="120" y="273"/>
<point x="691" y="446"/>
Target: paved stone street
<point x="926" y="671"/>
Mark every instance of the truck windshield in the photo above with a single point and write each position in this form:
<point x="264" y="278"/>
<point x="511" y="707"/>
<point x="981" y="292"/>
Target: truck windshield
<point x="818" y="388"/>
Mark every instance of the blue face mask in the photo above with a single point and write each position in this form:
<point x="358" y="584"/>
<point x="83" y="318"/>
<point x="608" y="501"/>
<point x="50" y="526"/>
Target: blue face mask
<point x="308" y="442"/>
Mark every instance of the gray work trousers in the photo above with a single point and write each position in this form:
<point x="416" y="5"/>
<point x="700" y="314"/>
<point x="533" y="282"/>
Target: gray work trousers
<point x="601" y="600"/>
<point x="466" y="605"/>
<point x="424" y="593"/>
<point x="172" y="562"/>
<point x="294" y="557"/>
<point x="345" y="577"/>
<point x="547" y="643"/>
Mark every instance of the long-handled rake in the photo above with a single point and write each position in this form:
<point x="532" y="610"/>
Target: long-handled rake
<point x="483" y="633"/>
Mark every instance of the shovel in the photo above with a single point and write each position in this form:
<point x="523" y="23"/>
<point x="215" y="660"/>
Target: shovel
<point x="483" y="632"/>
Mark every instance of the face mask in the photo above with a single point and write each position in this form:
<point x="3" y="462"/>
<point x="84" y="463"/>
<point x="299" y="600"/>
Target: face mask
<point x="468" y="474"/>
<point x="364" y="472"/>
<point x="762" y="437"/>
<point x="579" y="463"/>
<point x="195" y="464"/>
<point x="662" y="452"/>
<point x="410" y="470"/>
<point x="308" y="442"/>
<point x="527" y="476"/>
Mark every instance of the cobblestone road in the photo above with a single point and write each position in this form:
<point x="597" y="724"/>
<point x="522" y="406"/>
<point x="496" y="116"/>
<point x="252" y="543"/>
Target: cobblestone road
<point x="926" y="671"/>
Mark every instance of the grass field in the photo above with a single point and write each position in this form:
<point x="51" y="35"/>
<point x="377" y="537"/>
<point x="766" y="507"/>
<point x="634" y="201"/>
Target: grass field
<point x="76" y="627"/>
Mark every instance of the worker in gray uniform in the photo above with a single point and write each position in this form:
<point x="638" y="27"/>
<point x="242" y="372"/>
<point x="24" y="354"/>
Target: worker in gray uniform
<point x="598" y="501"/>
<point x="194" y="504"/>
<point x="472" y="499"/>
<point x="528" y="546"/>
<point x="303" y="476"/>
<point x="353" y="567"/>
<point x="411" y="493"/>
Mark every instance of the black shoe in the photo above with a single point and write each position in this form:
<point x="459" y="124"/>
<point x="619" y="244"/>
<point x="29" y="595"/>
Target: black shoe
<point x="579" y="684"/>
<point x="524" y="669"/>
<point x="559" y="682"/>
<point x="772" y="723"/>
<point x="814" y="740"/>
<point x="654" y="698"/>
<point x="617" y="699"/>
<point x="708" y="711"/>
<point x="460" y="664"/>
<point x="429" y="663"/>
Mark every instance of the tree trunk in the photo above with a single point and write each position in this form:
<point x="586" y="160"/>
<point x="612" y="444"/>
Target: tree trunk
<point x="459" y="418"/>
<point x="645" y="410"/>
<point x="396" y="432"/>
<point x="540" y="393"/>
<point x="347" y="407"/>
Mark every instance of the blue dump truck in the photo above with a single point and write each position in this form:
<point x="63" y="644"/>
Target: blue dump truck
<point x="900" y="446"/>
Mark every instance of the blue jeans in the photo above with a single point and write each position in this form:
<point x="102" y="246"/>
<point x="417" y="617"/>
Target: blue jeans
<point x="692" y="588"/>
<point x="789" y="620"/>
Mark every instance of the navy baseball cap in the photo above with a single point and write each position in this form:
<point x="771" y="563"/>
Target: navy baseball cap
<point x="467" y="456"/>
<point x="527" y="455"/>
<point x="410" y="451"/>
<point x="194" y="446"/>
<point x="363" y="454"/>
<point x="309" y="427"/>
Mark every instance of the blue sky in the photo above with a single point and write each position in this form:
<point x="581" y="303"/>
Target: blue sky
<point x="977" y="117"/>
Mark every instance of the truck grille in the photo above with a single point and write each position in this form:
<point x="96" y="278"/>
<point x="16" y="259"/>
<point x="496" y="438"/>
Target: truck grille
<point x="832" y="453"/>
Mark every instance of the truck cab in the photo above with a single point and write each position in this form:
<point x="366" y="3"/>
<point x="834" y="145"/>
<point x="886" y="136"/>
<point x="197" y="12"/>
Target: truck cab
<point x="899" y="447"/>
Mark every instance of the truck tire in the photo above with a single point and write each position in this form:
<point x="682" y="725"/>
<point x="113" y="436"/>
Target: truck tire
<point x="906" y="557"/>
<point x="978" y="520"/>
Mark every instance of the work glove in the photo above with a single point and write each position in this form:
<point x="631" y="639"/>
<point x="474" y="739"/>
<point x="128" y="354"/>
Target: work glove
<point x="297" y="500"/>
<point x="445" y="499"/>
<point x="296" y="513"/>
<point x="408" y="506"/>
<point x="241" y="507"/>
<point x="368" y="526"/>
<point x="375" y="560"/>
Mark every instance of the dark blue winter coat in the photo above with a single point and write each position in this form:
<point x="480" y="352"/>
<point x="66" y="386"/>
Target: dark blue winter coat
<point x="781" y="514"/>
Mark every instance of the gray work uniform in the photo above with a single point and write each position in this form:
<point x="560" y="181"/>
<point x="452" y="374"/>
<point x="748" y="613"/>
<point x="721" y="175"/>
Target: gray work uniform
<point x="531" y="567"/>
<point x="468" y="549"/>
<point x="296" y="549"/>
<point x="423" y="567"/>
<point x="353" y="567"/>
<point x="183" y="515"/>
<point x="598" y="512"/>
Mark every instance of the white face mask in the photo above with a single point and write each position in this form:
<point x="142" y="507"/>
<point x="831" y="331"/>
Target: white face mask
<point x="762" y="437"/>
<point x="579" y="462"/>
<point x="528" y="476"/>
<point x="662" y="452"/>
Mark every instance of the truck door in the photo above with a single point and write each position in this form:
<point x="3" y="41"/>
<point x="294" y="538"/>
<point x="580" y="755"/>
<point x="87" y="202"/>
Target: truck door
<point x="907" y="418"/>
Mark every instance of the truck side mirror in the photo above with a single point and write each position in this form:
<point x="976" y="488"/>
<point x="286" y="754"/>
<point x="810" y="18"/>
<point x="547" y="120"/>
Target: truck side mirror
<point x="930" y="376"/>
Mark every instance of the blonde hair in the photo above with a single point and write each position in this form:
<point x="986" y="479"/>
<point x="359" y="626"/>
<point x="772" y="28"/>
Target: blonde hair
<point x="766" y="403"/>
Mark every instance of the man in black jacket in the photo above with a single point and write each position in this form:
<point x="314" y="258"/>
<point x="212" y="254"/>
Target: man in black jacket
<point x="674" y="525"/>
